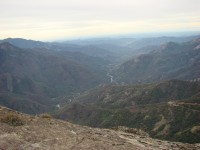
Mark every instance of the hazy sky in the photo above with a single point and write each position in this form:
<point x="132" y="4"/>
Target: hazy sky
<point x="56" y="19"/>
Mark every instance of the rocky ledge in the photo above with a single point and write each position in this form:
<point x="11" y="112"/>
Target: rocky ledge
<point x="25" y="132"/>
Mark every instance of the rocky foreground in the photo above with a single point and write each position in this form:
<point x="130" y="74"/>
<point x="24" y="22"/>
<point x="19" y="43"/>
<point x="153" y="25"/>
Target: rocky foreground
<point x="24" y="132"/>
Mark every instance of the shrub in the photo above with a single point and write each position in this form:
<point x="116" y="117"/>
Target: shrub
<point x="12" y="119"/>
<point x="45" y="115"/>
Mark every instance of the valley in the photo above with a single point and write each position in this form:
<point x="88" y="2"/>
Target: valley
<point x="151" y="84"/>
<point x="100" y="75"/>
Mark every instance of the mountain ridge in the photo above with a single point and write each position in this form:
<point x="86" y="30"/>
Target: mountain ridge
<point x="170" y="61"/>
<point x="167" y="110"/>
<point x="40" y="75"/>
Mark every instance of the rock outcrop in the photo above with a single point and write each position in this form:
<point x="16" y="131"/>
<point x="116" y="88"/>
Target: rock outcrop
<point x="25" y="132"/>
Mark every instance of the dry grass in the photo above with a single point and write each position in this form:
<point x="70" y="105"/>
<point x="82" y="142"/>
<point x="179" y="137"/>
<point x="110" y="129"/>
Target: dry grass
<point x="45" y="115"/>
<point x="12" y="119"/>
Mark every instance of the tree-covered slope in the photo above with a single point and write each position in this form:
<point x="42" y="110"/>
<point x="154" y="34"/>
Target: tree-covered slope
<point x="170" y="61"/>
<point x="168" y="110"/>
<point x="42" y="73"/>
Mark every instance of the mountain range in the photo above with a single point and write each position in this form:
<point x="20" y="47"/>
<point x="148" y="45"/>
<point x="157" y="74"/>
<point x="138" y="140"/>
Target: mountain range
<point x="169" y="61"/>
<point x="37" y="76"/>
<point x="150" y="83"/>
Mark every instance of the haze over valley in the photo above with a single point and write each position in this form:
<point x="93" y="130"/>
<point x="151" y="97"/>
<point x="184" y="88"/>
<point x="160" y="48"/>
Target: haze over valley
<point x="105" y="79"/>
<point x="100" y="75"/>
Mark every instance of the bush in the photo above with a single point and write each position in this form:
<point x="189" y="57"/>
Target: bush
<point x="45" y="115"/>
<point x="12" y="119"/>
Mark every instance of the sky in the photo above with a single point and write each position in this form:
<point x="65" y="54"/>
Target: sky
<point x="60" y="19"/>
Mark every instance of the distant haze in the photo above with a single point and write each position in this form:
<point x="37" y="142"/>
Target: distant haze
<point x="58" y="19"/>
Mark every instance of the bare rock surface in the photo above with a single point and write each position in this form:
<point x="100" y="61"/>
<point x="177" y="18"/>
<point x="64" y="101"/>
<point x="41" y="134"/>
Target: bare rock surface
<point x="23" y="132"/>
